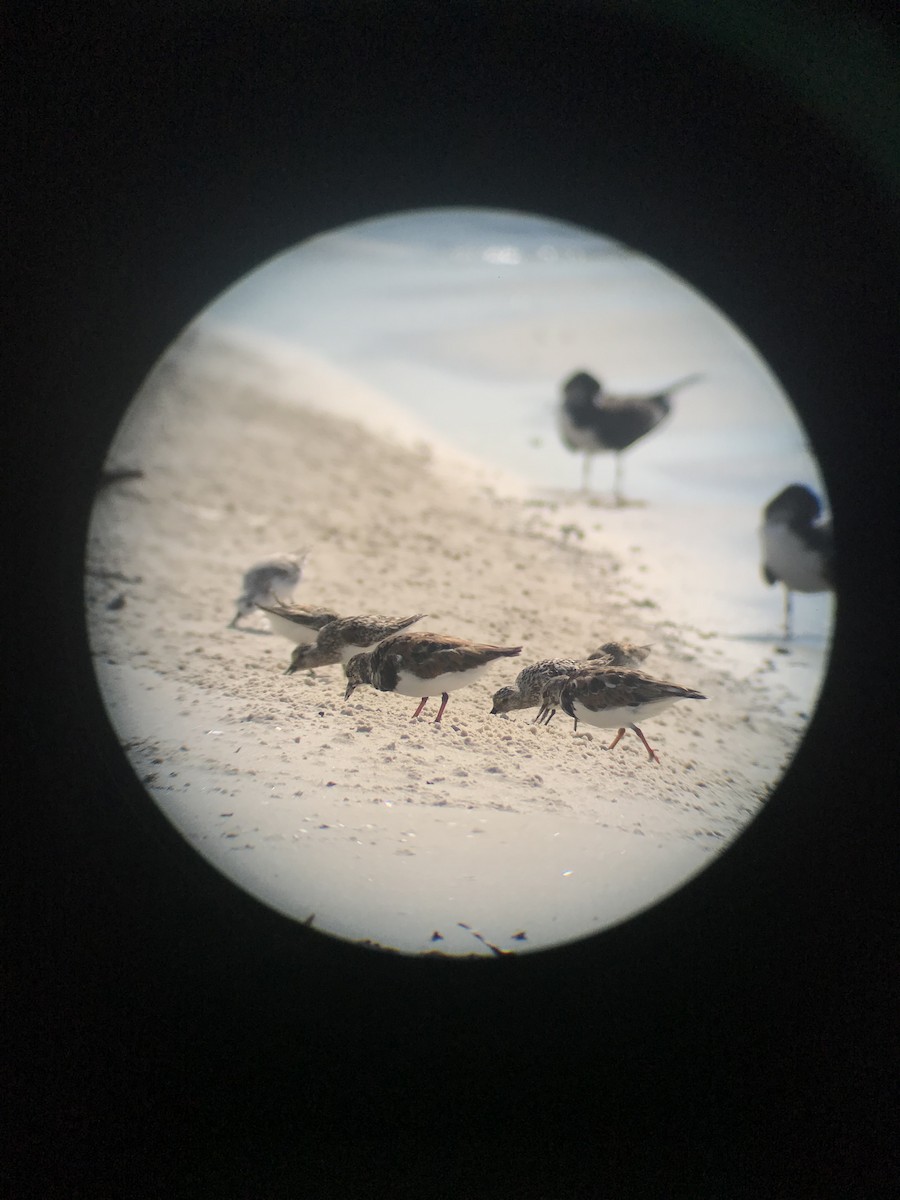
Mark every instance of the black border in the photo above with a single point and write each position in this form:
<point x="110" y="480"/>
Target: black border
<point x="178" y="1034"/>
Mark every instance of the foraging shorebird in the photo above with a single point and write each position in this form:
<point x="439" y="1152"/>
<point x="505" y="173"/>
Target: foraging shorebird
<point x="299" y="623"/>
<point x="549" y="698"/>
<point x="530" y="683"/>
<point x="593" y="421"/>
<point x="338" y="641"/>
<point x="618" y="654"/>
<point x="268" y="582"/>
<point x="528" y="689"/>
<point x="423" y="665"/>
<point x="797" y="548"/>
<point x="612" y="698"/>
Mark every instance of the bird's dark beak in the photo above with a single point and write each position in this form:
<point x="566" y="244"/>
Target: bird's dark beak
<point x="351" y="688"/>
<point x="494" y="711"/>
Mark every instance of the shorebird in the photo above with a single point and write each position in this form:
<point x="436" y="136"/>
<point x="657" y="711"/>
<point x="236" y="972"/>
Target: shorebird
<point x="530" y="683"/>
<point x="550" y="693"/>
<point x="593" y="421"/>
<point x="299" y="623"/>
<point x="612" y="698"/>
<point x="527" y="691"/>
<point x="423" y="664"/>
<point x="338" y="641"/>
<point x="797" y="548"/>
<point x="268" y="582"/>
<point x="619" y="654"/>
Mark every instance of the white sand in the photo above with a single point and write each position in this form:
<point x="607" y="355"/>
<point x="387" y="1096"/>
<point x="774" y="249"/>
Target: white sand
<point x="383" y="828"/>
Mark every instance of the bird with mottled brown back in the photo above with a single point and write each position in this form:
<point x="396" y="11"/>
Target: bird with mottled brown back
<point x="423" y="664"/>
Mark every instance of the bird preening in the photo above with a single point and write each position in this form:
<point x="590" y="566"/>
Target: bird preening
<point x="797" y="546"/>
<point x="593" y="421"/>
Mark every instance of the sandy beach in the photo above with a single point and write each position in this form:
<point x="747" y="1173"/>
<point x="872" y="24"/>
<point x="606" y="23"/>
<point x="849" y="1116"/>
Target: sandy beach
<point x="413" y="835"/>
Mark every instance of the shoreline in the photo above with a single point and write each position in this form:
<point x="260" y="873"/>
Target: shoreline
<point x="230" y="475"/>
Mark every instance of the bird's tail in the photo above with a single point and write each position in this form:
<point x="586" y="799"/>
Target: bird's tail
<point x="407" y="621"/>
<point x="681" y="383"/>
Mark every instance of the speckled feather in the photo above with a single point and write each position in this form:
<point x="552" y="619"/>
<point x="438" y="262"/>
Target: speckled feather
<point x="607" y="688"/>
<point x="530" y="682"/>
<point x="427" y="655"/>
<point x="423" y="665"/>
<point x="334" y="638"/>
<point x="528" y="690"/>
<point x="307" y="616"/>
<point x="608" y="697"/>
<point x="619" y="654"/>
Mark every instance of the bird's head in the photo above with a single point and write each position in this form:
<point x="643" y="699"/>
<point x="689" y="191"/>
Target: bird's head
<point x="581" y="393"/>
<point x="503" y="700"/>
<point x="797" y="504"/>
<point x="358" y="670"/>
<point x="298" y="659"/>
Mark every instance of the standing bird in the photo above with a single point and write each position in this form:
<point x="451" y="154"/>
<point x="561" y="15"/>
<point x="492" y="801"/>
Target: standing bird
<point x="340" y="640"/>
<point x="299" y="623"/>
<point x="593" y="421"/>
<point x="268" y="582"/>
<point x="797" y="548"/>
<point x="610" y="698"/>
<point x="423" y="664"/>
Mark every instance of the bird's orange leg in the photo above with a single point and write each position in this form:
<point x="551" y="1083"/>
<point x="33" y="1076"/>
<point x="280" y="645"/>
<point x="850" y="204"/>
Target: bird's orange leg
<point x="444" y="698"/>
<point x="422" y="704"/>
<point x="612" y="745"/>
<point x="654" y="757"/>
